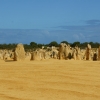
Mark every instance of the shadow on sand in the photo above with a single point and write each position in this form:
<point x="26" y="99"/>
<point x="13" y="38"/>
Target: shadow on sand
<point x="9" y="61"/>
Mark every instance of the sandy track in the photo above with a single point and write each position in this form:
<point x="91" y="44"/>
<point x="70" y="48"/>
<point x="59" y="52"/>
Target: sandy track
<point x="50" y="80"/>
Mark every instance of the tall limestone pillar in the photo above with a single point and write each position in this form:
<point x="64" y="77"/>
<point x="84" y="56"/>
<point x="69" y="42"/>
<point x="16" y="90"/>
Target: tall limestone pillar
<point x="99" y="53"/>
<point x="19" y="53"/>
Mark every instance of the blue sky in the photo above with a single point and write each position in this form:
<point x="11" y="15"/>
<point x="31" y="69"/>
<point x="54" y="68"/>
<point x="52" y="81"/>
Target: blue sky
<point x="44" y="21"/>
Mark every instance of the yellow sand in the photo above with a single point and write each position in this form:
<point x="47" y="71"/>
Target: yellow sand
<point x="50" y="80"/>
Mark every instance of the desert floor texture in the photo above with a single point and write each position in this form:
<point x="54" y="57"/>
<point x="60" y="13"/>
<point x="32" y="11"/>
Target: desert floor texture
<point x="50" y="79"/>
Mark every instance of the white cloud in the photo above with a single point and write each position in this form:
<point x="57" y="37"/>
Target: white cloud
<point x="46" y="36"/>
<point x="46" y="32"/>
<point x="82" y="36"/>
<point x="76" y="36"/>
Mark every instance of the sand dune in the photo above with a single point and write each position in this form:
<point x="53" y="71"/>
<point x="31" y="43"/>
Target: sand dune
<point x="50" y="80"/>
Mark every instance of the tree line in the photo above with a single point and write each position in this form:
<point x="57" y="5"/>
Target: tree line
<point x="34" y="45"/>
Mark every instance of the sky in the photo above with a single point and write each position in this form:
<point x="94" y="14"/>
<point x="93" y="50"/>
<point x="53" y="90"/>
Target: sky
<point x="44" y="21"/>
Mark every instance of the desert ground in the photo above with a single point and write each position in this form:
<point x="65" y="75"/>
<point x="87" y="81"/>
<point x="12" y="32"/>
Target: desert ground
<point x="50" y="79"/>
